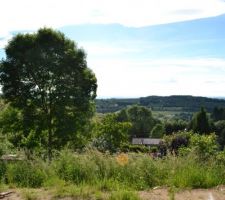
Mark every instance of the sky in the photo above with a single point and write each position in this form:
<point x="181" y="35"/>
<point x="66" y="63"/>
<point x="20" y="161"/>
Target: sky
<point x="129" y="56"/>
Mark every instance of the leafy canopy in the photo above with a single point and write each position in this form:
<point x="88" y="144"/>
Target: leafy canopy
<point x="201" y="123"/>
<point x="112" y="135"/>
<point x="45" y="75"/>
<point x="141" y="119"/>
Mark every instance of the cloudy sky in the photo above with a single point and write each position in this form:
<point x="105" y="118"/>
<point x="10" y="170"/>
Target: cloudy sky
<point x="143" y="47"/>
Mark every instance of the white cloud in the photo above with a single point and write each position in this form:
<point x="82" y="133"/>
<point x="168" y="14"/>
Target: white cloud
<point x="131" y="77"/>
<point x="27" y="14"/>
<point x="4" y="40"/>
<point x="102" y="50"/>
<point x="120" y="78"/>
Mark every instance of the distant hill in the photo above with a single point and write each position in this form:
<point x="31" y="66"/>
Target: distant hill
<point x="161" y="103"/>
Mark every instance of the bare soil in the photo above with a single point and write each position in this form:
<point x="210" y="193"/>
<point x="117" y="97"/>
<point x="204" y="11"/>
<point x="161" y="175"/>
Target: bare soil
<point x="195" y="194"/>
<point x="217" y="193"/>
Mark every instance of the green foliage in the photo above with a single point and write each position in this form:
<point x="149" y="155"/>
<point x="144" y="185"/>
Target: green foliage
<point x="188" y="172"/>
<point x="26" y="174"/>
<point x="75" y="192"/>
<point x="220" y="157"/>
<point x="46" y="77"/>
<point x="174" y="126"/>
<point x="185" y="105"/>
<point x="10" y="120"/>
<point x="201" y="122"/>
<point x="218" y="114"/>
<point x="2" y="103"/>
<point x="113" y="105"/>
<point x="141" y="119"/>
<point x="158" y="131"/>
<point x="111" y="134"/>
<point x="5" y="146"/>
<point x="177" y="141"/>
<point x="204" y="145"/>
<point x="75" y="168"/>
<point x="81" y="174"/>
<point x="3" y="167"/>
<point x="220" y="132"/>
<point x="29" y="194"/>
<point x="140" y="172"/>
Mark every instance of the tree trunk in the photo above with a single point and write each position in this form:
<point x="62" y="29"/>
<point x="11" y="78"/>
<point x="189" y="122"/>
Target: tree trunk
<point x="49" y="141"/>
<point x="50" y="131"/>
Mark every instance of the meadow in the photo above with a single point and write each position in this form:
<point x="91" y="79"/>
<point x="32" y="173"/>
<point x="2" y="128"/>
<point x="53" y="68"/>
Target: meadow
<point x="95" y="175"/>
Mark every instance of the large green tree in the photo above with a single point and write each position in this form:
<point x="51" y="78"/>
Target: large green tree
<point x="201" y="123"/>
<point x="174" y="126"/>
<point x="45" y="75"/>
<point x="218" y="114"/>
<point x="111" y="134"/>
<point x="158" y="131"/>
<point x="141" y="119"/>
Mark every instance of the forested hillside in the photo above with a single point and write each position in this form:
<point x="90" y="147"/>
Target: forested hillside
<point x="161" y="103"/>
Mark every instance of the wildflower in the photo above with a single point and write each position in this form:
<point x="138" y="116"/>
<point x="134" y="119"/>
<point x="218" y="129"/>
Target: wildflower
<point x="122" y="159"/>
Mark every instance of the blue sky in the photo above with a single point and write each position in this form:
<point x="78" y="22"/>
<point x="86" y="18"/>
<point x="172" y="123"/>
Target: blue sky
<point x="136" y="47"/>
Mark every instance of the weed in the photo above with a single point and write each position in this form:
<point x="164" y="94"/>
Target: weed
<point x="123" y="195"/>
<point x="29" y="194"/>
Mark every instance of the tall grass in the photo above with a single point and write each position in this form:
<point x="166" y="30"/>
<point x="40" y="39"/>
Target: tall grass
<point x="108" y="173"/>
<point x="139" y="172"/>
<point x="189" y="172"/>
<point x="26" y="174"/>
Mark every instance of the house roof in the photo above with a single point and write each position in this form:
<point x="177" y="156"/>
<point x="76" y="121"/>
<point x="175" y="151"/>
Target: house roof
<point x="146" y="141"/>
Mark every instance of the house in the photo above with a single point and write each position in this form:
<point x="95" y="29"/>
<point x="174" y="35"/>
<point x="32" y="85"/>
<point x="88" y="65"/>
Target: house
<point x="146" y="141"/>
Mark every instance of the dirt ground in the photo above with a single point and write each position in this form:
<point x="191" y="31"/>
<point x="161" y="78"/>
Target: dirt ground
<point x="196" y="194"/>
<point x="154" y="194"/>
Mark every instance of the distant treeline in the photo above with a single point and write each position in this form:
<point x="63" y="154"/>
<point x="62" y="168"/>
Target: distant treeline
<point x="161" y="103"/>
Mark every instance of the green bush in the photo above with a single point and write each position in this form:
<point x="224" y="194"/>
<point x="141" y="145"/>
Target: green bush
<point x="26" y="174"/>
<point x="204" y="146"/>
<point x="5" y="146"/>
<point x="220" y="157"/>
<point x="2" y="169"/>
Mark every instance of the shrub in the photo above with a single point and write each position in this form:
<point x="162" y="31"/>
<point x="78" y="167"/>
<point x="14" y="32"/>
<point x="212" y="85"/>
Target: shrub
<point x="176" y="141"/>
<point x="26" y="174"/>
<point x="204" y="145"/>
<point x="29" y="194"/>
<point x="2" y="169"/>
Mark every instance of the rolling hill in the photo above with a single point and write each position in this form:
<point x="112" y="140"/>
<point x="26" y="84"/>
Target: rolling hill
<point x="173" y="103"/>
